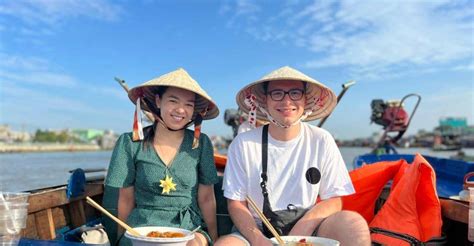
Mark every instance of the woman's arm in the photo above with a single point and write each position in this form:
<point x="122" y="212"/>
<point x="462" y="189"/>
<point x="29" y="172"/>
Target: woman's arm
<point x="207" y="204"/>
<point x="126" y="202"/>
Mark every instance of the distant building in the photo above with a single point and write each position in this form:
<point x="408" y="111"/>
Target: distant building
<point x="87" y="135"/>
<point x="455" y="131"/>
<point x="108" y="139"/>
<point x="9" y="136"/>
<point x="452" y="126"/>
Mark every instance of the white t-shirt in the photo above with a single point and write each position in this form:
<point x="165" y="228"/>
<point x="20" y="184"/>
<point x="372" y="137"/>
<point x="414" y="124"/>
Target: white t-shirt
<point x="288" y="165"/>
<point x="245" y="126"/>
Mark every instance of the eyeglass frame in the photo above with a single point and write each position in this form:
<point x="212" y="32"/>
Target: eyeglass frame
<point x="287" y="93"/>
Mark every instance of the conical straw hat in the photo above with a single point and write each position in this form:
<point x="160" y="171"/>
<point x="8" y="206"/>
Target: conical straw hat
<point x="180" y="79"/>
<point x="320" y="100"/>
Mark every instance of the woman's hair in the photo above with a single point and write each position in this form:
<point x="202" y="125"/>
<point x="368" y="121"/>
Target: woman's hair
<point x="150" y="131"/>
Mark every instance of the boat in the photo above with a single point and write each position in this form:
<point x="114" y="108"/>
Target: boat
<point x="461" y="155"/>
<point x="443" y="147"/>
<point x="56" y="213"/>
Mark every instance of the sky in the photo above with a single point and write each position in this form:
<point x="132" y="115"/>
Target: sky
<point x="58" y="58"/>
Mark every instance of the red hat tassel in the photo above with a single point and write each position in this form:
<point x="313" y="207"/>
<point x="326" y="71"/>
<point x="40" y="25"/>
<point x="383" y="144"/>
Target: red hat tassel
<point x="137" y="123"/>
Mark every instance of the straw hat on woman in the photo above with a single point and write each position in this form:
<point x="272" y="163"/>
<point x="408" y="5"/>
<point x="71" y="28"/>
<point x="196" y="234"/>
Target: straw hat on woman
<point x="204" y="107"/>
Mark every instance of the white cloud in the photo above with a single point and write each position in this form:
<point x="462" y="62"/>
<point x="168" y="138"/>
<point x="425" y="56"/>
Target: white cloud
<point x="34" y="71"/>
<point x="375" y="36"/>
<point x="41" y="78"/>
<point x="240" y="9"/>
<point x="8" y="61"/>
<point x="465" y="67"/>
<point x="51" y="12"/>
<point x="40" y="100"/>
<point x="30" y="20"/>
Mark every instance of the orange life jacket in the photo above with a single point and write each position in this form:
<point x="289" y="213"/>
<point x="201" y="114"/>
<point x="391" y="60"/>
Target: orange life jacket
<point x="412" y="207"/>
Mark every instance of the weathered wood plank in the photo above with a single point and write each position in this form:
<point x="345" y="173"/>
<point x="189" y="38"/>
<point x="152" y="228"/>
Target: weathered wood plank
<point x="76" y="211"/>
<point x="59" y="217"/>
<point x="454" y="210"/>
<point x="57" y="197"/>
<point x="45" y="224"/>
<point x="30" y="230"/>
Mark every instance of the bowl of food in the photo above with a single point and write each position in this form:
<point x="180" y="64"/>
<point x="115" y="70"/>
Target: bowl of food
<point x="306" y="241"/>
<point x="160" y="235"/>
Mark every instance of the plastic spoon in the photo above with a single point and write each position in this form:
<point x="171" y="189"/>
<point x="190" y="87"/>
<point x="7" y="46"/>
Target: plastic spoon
<point x="195" y="230"/>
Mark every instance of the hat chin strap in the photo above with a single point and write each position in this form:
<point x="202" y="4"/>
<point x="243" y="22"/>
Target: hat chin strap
<point x="156" y="111"/>
<point x="197" y="120"/>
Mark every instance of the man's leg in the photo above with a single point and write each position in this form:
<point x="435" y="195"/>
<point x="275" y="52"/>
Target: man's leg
<point x="348" y="227"/>
<point x="234" y="238"/>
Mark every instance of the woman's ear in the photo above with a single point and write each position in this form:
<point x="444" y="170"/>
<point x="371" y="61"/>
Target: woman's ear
<point x="157" y="101"/>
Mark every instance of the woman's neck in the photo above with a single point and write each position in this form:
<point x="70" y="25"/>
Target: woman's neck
<point x="164" y="135"/>
<point x="284" y="134"/>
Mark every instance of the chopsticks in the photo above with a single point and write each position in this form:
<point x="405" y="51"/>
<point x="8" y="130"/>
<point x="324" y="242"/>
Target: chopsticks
<point x="264" y="220"/>
<point x="121" y="223"/>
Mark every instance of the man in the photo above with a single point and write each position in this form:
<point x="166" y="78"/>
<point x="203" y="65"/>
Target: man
<point x="302" y="164"/>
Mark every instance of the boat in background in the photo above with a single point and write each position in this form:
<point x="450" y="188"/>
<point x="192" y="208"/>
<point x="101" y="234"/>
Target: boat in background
<point x="439" y="146"/>
<point x="442" y="147"/>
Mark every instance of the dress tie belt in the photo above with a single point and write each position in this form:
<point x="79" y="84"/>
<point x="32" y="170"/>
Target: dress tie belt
<point x="184" y="213"/>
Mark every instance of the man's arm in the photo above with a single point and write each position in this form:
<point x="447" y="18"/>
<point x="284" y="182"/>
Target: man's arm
<point x="323" y="209"/>
<point x="126" y="202"/>
<point x="207" y="204"/>
<point x="245" y="223"/>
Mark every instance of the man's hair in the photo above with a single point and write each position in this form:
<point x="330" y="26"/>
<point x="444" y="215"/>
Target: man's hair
<point x="265" y="86"/>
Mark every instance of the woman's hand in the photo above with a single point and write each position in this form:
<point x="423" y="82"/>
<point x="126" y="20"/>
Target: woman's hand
<point x="207" y="204"/>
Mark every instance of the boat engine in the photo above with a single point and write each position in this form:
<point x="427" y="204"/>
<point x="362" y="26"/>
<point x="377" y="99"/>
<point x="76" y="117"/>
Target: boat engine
<point x="391" y="115"/>
<point x="233" y="118"/>
<point x="394" y="119"/>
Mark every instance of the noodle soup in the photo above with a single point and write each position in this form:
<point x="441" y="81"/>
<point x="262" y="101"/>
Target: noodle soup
<point x="306" y="241"/>
<point x="159" y="235"/>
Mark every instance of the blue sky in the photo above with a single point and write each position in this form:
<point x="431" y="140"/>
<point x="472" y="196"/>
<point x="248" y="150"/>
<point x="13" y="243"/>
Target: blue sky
<point x="58" y="58"/>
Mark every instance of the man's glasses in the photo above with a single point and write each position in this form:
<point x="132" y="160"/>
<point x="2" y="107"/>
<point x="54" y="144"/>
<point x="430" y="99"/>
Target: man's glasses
<point x="294" y="94"/>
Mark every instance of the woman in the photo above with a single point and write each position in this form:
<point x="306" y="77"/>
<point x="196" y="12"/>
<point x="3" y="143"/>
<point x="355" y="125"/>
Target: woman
<point x="166" y="172"/>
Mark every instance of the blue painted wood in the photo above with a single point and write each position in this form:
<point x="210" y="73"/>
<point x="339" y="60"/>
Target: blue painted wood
<point x="76" y="184"/>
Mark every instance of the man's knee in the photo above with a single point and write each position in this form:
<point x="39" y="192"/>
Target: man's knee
<point x="350" y="221"/>
<point x="346" y="226"/>
<point x="230" y="240"/>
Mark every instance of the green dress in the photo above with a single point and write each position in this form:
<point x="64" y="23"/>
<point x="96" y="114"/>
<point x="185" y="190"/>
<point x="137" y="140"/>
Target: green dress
<point x="133" y="165"/>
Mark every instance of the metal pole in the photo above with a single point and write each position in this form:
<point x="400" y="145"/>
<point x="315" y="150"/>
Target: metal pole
<point x="345" y="87"/>
<point x="124" y="85"/>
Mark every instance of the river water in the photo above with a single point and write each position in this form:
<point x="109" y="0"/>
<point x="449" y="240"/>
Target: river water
<point x="29" y="171"/>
